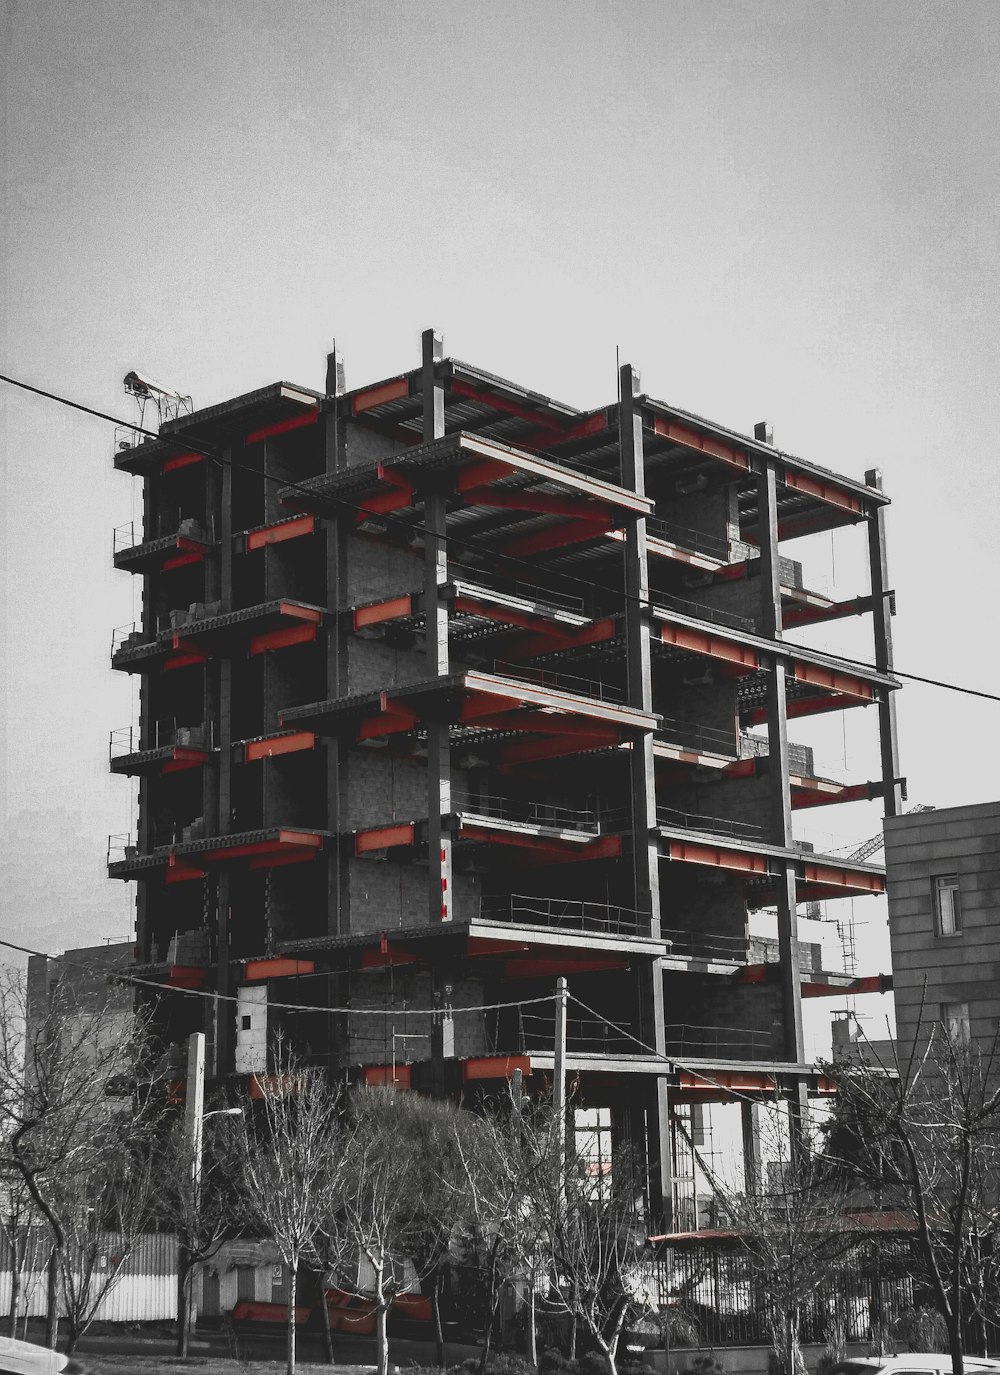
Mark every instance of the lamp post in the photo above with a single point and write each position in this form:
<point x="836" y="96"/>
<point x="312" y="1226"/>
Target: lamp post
<point x="194" y="1118"/>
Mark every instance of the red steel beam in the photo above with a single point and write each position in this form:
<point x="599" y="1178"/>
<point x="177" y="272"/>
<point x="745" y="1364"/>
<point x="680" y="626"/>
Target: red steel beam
<point x="538" y="502"/>
<point x="717" y="857"/>
<point x="495" y="1067"/>
<point x="710" y="445"/>
<point x="378" y="396"/>
<point x="296" y="422"/>
<point x="282" y="744"/>
<point x="277" y="534"/>
<point x="171" y="465"/>
<point x="278" y="968"/>
<point x="573" y="532"/>
<point x="743" y="657"/>
<point x="392" y="610"/>
<point x="383" y="838"/>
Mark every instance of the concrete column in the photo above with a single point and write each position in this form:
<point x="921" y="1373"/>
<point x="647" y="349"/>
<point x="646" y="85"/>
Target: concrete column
<point x="882" y="610"/>
<point x="439" y="856"/>
<point x="338" y="908"/>
<point x="224" y="1021"/>
<point x="777" y="767"/>
<point x="642" y="787"/>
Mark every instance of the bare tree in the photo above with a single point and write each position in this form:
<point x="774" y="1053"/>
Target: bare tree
<point x="63" y="1058"/>
<point x="103" y="1211"/>
<point x="509" y="1162"/>
<point x="595" y="1235"/>
<point x="203" y="1208"/>
<point x="290" y="1151"/>
<point x="790" y="1221"/>
<point x="926" y="1133"/>
<point x="389" y="1189"/>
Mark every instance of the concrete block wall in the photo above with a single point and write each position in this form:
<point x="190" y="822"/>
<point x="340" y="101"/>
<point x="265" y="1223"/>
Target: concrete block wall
<point x="378" y="568"/>
<point x="391" y="993"/>
<point x="385" y="896"/>
<point x="702" y="902"/>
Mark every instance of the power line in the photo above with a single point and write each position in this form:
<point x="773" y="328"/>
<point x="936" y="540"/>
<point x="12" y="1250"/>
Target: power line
<point x="124" y="977"/>
<point x="416" y="527"/>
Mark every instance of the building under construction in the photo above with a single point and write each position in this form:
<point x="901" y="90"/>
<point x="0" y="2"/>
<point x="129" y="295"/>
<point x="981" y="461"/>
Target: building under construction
<point x="449" y="690"/>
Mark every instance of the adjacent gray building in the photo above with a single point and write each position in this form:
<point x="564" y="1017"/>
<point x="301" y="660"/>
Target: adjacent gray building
<point x="943" y="879"/>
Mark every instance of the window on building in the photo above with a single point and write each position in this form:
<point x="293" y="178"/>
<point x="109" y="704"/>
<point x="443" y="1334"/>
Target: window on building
<point x="955" y="1020"/>
<point x="947" y="905"/>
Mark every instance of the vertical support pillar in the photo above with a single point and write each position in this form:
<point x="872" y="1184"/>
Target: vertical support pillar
<point x="439" y="856"/>
<point x="559" y="1076"/>
<point x="642" y="785"/>
<point x="224" y="1022"/>
<point x="143" y="832"/>
<point x="751" y="1145"/>
<point x="338" y="907"/>
<point x="882" y="610"/>
<point x="780" y="793"/>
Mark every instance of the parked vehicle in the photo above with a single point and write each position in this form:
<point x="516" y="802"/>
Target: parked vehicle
<point x="25" y="1358"/>
<point x="914" y="1363"/>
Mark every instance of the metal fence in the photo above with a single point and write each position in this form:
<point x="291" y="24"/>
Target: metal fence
<point x="718" y="1289"/>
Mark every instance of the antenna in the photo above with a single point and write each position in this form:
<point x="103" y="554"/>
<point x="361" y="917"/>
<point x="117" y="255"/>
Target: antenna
<point x="169" y="403"/>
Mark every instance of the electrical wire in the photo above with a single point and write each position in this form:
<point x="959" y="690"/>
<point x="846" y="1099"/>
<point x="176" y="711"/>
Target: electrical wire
<point x="124" y="977"/>
<point x="673" y="1060"/>
<point x="453" y="539"/>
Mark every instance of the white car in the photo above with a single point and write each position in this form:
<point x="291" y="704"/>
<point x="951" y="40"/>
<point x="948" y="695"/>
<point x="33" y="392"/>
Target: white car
<point x="914" y="1363"/>
<point x="25" y="1358"/>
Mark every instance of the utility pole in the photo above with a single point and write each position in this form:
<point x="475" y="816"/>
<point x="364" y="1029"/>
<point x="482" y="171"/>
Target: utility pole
<point x="194" y="1107"/>
<point x="559" y="1073"/>
<point x="194" y="1116"/>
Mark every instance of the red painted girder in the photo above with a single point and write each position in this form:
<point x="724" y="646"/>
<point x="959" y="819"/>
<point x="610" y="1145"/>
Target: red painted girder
<point x="278" y="968"/>
<point x="379" y="395"/>
<point x="710" y="445"/>
<point x="495" y="1066"/>
<point x="478" y="706"/>
<point x="171" y="465"/>
<point x="488" y="947"/>
<point x="824" y="491"/>
<point x="481" y="473"/>
<point x="592" y="424"/>
<point x="573" y="532"/>
<point x="277" y="534"/>
<point x="297" y="422"/>
<point x="597" y="633"/>
<point x="458" y="387"/>
<point x="867" y="983"/>
<point x="713" y="646"/>
<point x="717" y="857"/>
<point x="539" y="502"/>
<point x="394" y="609"/>
<point x="809" y="615"/>
<point x="282" y="639"/>
<point x="604" y="847"/>
<point x="283" y="744"/>
<point x="805" y="793"/>
<point x="383" y="838"/>
<point x="387" y="954"/>
<point x="558" y="746"/>
<point x="183" y="759"/>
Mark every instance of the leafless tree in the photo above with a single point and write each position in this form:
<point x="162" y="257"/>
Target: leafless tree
<point x="926" y="1135"/>
<point x="789" y="1217"/>
<point x="509" y="1162"/>
<point x="290" y="1152"/>
<point x="63" y="1060"/>
<point x="19" y="1223"/>
<point x="595" y="1237"/>
<point x="203" y="1208"/>
<point x="394" y="1202"/>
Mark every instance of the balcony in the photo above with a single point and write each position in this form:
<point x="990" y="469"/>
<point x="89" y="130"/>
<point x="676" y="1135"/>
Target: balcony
<point x="192" y="858"/>
<point x="176" y="749"/>
<point x="202" y="631"/>
<point x="189" y="544"/>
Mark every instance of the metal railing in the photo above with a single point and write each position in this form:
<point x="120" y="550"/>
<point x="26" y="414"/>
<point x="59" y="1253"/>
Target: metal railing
<point x="569" y="914"/>
<point x="696" y="541"/>
<point x="126" y="740"/>
<point x="530" y="813"/>
<point x="689" y="735"/>
<point x="699" y="611"/>
<point x="728" y="1042"/>
<point x="121" y="846"/>
<point x="717" y="825"/>
<point x="561" y="682"/>
<point x="122" y="635"/>
<point x="706" y="945"/>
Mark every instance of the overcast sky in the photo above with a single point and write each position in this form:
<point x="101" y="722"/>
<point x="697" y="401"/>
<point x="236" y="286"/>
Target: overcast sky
<point x="776" y="210"/>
